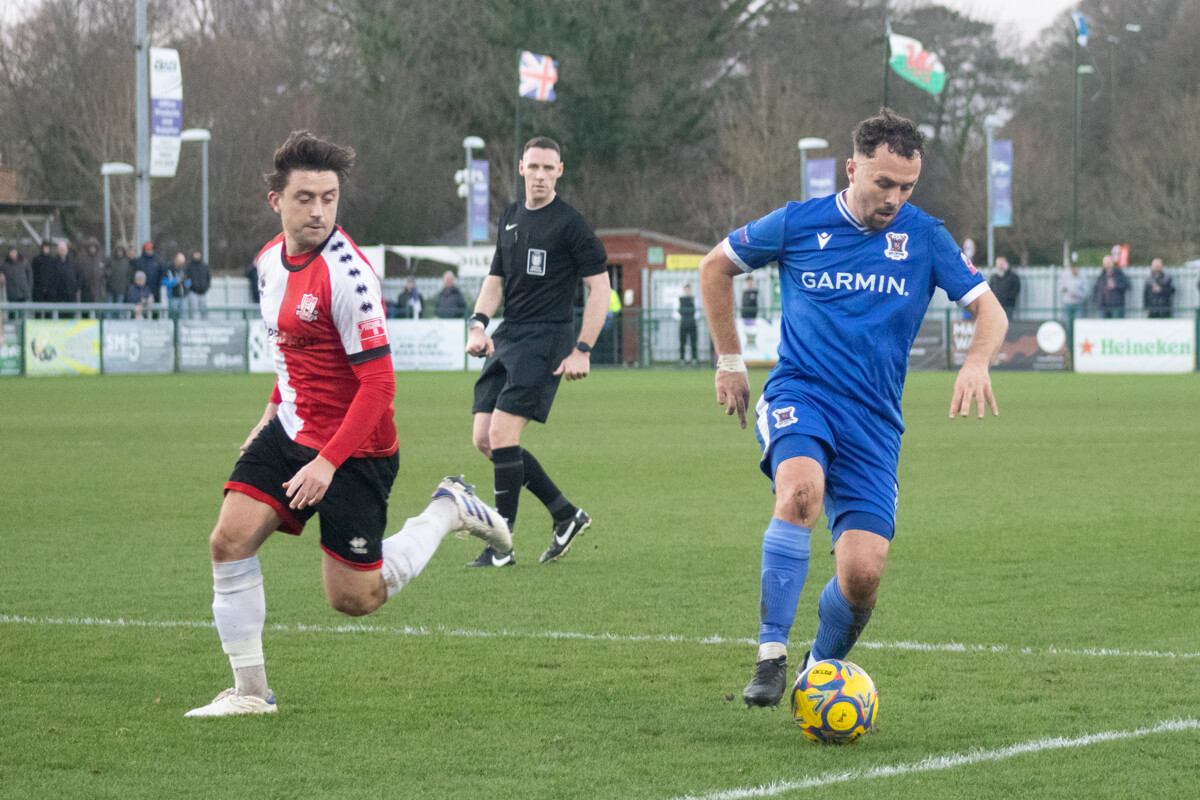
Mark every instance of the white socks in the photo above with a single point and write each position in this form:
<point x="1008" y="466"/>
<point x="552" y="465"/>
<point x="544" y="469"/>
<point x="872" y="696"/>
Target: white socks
<point x="771" y="650"/>
<point x="406" y="553"/>
<point x="240" y="611"/>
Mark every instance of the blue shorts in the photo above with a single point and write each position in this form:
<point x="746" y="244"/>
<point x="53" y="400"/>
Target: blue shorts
<point x="858" y="450"/>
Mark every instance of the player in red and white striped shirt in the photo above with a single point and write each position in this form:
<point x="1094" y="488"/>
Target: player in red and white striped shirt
<point x="326" y="443"/>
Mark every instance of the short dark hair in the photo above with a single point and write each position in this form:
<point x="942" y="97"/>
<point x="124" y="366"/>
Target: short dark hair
<point x="543" y="142"/>
<point x="887" y="127"/>
<point x="304" y="150"/>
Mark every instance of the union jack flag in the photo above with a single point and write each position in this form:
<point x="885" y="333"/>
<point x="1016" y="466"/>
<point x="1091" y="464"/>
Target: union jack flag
<point x="538" y="74"/>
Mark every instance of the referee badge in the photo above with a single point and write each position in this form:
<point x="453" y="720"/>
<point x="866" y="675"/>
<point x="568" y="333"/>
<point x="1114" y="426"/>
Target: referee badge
<point x="536" y="262"/>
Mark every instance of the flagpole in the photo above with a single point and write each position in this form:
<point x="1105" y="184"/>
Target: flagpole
<point x="517" y="135"/>
<point x="887" y="49"/>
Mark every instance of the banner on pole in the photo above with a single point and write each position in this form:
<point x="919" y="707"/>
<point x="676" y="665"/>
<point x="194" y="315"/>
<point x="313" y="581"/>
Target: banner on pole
<point x="1000" y="183"/>
<point x="479" y="199"/>
<point x="166" y="111"/>
<point x="822" y="177"/>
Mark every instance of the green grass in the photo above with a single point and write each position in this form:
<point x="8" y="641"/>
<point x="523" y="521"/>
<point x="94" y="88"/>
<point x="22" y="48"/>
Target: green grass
<point x="1065" y="527"/>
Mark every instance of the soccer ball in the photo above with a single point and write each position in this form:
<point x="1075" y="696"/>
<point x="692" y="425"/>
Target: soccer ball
<point x="834" y="702"/>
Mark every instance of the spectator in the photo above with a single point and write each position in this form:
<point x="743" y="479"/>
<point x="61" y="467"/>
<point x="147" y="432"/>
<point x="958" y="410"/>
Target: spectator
<point x="450" y="301"/>
<point x="176" y="282"/>
<point x="120" y="275"/>
<point x="66" y="276"/>
<point x="1006" y="286"/>
<point x="1159" y="292"/>
<point x="687" y="322"/>
<point x="150" y="265"/>
<point x="749" y="302"/>
<point x="199" y="280"/>
<point x="408" y="305"/>
<point x="17" y="277"/>
<point x="139" y="294"/>
<point x="1074" y="291"/>
<point x="1110" y="288"/>
<point x="43" y="272"/>
<point x="94" y="288"/>
<point x="252" y="276"/>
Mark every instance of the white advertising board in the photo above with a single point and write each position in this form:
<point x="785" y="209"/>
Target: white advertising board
<point x="1135" y="345"/>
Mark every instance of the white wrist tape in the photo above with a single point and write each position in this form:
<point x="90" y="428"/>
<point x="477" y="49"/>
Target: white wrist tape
<point x="731" y="363"/>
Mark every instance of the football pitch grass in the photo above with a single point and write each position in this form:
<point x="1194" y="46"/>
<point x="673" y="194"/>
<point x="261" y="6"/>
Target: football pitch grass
<point x="1037" y="633"/>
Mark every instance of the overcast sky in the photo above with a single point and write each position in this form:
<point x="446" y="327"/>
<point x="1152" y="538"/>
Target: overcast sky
<point x="1030" y="16"/>
<point x="1027" y="17"/>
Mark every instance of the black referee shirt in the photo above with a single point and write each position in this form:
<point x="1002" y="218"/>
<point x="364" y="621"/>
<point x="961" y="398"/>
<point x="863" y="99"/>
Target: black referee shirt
<point x="540" y="256"/>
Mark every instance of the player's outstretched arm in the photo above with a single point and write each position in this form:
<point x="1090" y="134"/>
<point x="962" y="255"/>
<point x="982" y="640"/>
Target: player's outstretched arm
<point x="973" y="383"/>
<point x="716" y="289"/>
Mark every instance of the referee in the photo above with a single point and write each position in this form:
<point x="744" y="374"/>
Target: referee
<point x="544" y="247"/>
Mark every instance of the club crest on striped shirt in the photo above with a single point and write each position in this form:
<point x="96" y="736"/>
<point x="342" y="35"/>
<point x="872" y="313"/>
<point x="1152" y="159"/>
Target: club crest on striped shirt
<point x="307" y="310"/>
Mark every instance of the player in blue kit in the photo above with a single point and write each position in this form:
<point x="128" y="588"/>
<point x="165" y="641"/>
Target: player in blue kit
<point x="857" y="271"/>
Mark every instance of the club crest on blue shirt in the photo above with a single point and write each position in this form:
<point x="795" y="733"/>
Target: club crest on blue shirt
<point x="307" y="310"/>
<point x="895" y="246"/>
<point x="784" y="416"/>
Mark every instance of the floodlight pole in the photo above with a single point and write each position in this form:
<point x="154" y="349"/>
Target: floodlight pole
<point x="202" y="136"/>
<point x="142" y="104"/>
<point x="107" y="169"/>
<point x="806" y="144"/>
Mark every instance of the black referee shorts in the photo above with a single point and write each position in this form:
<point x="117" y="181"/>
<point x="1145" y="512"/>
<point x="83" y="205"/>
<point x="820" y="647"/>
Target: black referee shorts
<point x="518" y="378"/>
<point x="353" y="510"/>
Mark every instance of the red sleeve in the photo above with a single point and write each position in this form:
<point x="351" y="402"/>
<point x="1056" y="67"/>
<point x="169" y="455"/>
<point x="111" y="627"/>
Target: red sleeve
<point x="276" y="397"/>
<point x="376" y="388"/>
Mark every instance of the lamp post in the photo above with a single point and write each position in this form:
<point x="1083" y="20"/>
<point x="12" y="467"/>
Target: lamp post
<point x="990" y="124"/>
<point x="106" y="169"/>
<point x="469" y="144"/>
<point x="202" y="136"/>
<point x="806" y="144"/>
<point x="1081" y="69"/>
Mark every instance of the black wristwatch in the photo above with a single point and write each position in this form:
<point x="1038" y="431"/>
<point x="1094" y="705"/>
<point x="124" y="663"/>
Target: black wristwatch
<point x="583" y="347"/>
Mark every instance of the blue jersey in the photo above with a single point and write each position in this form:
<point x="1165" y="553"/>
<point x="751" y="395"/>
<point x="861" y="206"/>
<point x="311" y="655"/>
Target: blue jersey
<point x="853" y="297"/>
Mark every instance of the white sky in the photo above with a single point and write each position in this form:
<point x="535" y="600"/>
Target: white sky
<point x="1026" y="17"/>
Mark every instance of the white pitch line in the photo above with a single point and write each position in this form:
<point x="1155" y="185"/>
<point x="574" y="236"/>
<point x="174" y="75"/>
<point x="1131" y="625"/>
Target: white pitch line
<point x="935" y="763"/>
<point x="441" y="630"/>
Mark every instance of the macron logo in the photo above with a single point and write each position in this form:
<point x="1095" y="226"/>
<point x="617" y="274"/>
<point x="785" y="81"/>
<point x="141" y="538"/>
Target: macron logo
<point x="823" y="239"/>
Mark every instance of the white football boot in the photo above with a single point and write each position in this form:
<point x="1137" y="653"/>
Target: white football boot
<point x="229" y="704"/>
<point x="477" y="518"/>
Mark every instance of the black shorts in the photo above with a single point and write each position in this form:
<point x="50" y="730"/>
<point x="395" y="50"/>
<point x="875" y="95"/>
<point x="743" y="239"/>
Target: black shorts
<point x="519" y="377"/>
<point x="353" y="510"/>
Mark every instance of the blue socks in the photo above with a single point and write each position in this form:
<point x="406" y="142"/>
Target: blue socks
<point x="840" y="624"/>
<point x="784" y="567"/>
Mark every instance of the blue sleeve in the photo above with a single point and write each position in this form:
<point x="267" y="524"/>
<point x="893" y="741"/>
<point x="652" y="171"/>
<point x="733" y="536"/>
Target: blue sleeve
<point x="759" y="243"/>
<point x="952" y="270"/>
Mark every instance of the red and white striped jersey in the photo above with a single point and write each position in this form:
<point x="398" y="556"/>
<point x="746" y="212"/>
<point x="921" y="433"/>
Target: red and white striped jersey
<point x="325" y="316"/>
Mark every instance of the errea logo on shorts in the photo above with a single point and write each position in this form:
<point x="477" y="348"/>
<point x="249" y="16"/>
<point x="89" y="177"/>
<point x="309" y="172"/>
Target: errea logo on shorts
<point x="535" y="264"/>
